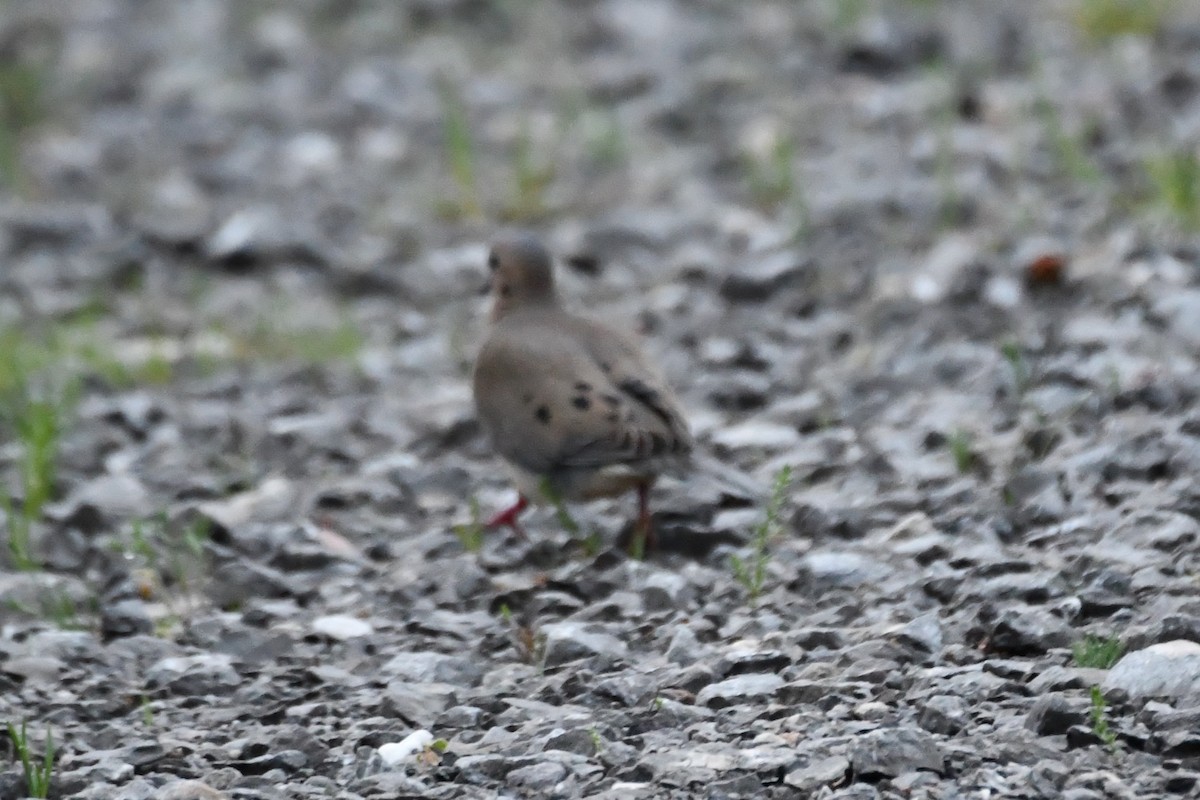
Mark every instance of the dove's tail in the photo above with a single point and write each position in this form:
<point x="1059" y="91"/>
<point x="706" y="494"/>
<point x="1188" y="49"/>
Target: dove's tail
<point x="726" y="478"/>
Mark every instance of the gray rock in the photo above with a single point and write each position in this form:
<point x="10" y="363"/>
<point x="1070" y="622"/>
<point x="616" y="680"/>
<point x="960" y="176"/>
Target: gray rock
<point x="125" y="618"/>
<point x="175" y="211"/>
<point x="136" y="411"/>
<point x="819" y="639"/>
<point x="1029" y="587"/>
<point x="1028" y="631"/>
<point x="109" y="770"/>
<point x="288" y="761"/>
<point x="661" y="590"/>
<point x="33" y="222"/>
<point x="1170" y="670"/>
<point x="245" y="514"/>
<point x="202" y="674"/>
<point x="1053" y="714"/>
<point x="855" y="791"/>
<point x="124" y="761"/>
<point x="754" y="687"/>
<point x="671" y="713"/>
<point x="1145" y="457"/>
<point x="483" y="768"/>
<point x="584" y="742"/>
<point x="1049" y="777"/>
<point x="390" y="784"/>
<point x="1161" y="716"/>
<point x="972" y="684"/>
<point x="430" y="667"/>
<point x="1057" y="679"/>
<point x="735" y="786"/>
<point x="1181" y="783"/>
<point x="891" y="752"/>
<point x="1036" y="496"/>
<point x="539" y="778"/>
<point x="190" y="790"/>
<point x="757" y="435"/>
<point x="628" y="689"/>
<point x="1104" y="782"/>
<point x="871" y="670"/>
<point x="841" y="570"/>
<point x="831" y="771"/>
<point x="249" y="645"/>
<point x="1178" y="626"/>
<point x="684" y="767"/>
<point x="924" y="633"/>
<point x="34" y="669"/>
<point x="341" y="627"/>
<point x="296" y="738"/>
<point x="1107" y="592"/>
<point x="764" y="276"/>
<point x="1080" y="736"/>
<point x="1181" y="744"/>
<point x="247" y="233"/>
<point x="139" y="652"/>
<point x="944" y="714"/>
<point x="571" y="641"/>
<point x="740" y="390"/>
<point x="743" y="660"/>
<point x="31" y="592"/>
<point x="1156" y="528"/>
<point x="914" y="783"/>
<point x="1182" y="308"/>
<point x="627" y="790"/>
<point x="462" y="717"/>
<point x="419" y="704"/>
<point x="235" y="582"/>
<point x="806" y="692"/>
<point x="684" y="648"/>
<point x="103" y="502"/>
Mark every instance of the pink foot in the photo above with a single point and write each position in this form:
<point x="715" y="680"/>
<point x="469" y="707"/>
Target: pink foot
<point x="508" y="517"/>
<point x="643" y="532"/>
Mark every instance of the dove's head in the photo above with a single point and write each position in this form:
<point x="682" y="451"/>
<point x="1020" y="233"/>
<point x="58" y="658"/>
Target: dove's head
<point x="521" y="274"/>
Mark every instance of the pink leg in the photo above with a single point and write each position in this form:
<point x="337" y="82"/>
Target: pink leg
<point x="508" y="517"/>
<point x="643" y="532"/>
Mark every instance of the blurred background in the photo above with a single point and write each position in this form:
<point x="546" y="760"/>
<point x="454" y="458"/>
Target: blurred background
<point x="205" y="151"/>
<point x="938" y="256"/>
<point x="247" y="201"/>
<point x="239" y="204"/>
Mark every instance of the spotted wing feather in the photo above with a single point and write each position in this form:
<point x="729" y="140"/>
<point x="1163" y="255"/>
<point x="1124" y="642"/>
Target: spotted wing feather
<point x="550" y="403"/>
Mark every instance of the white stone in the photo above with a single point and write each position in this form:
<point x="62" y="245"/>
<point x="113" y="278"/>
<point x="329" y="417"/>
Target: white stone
<point x="1002" y="291"/>
<point x="1169" y="669"/>
<point x="766" y="435"/>
<point x="948" y="258"/>
<point x="405" y="750"/>
<point x="239" y="232"/>
<point x="342" y="627"/>
<point x="312" y="152"/>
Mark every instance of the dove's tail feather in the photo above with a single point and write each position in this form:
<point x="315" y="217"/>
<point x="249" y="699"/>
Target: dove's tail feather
<point x="727" y="478"/>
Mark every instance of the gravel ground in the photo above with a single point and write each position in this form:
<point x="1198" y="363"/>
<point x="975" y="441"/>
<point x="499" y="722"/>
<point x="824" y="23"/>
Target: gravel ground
<point x="937" y="256"/>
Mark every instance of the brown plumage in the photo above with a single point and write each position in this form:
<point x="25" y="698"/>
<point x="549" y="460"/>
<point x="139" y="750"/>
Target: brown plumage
<point x="569" y="403"/>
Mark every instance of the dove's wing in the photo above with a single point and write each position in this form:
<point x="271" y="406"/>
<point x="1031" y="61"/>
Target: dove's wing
<point x="558" y="392"/>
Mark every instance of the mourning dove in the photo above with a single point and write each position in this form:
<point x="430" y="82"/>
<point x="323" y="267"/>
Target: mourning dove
<point x="571" y="404"/>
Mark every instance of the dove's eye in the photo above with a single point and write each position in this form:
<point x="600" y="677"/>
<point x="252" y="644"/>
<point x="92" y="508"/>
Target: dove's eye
<point x="493" y="262"/>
